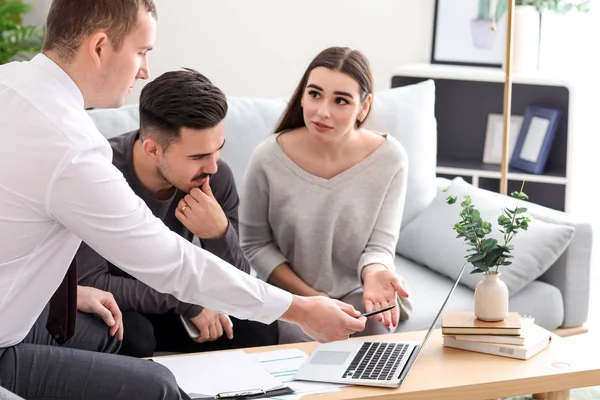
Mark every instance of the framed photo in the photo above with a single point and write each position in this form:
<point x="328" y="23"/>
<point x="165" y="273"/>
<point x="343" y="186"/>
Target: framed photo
<point x="469" y="32"/>
<point x="535" y="139"/>
<point x="492" y="153"/>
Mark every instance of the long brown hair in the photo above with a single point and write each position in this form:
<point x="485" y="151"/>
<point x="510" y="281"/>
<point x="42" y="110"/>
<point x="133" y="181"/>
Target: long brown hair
<point x="343" y="59"/>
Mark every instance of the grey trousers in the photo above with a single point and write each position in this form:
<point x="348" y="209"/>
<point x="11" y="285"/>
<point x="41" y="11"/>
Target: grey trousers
<point x="85" y="368"/>
<point x="290" y="333"/>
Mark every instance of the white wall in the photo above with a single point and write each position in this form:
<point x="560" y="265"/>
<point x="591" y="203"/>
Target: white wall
<point x="39" y="11"/>
<point x="261" y="47"/>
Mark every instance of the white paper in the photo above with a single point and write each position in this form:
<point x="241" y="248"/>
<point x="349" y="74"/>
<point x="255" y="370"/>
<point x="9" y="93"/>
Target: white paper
<point x="534" y="139"/>
<point x="283" y="365"/>
<point x="211" y="373"/>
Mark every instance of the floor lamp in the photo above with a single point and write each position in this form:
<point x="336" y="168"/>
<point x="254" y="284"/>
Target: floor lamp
<point x="507" y="97"/>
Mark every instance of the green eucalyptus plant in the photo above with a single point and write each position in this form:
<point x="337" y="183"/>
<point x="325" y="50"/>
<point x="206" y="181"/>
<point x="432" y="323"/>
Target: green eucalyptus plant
<point x="486" y="254"/>
<point x="557" y="6"/>
<point x="17" y="42"/>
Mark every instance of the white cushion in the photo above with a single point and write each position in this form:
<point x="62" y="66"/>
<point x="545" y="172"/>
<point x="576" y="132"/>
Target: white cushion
<point x="248" y="122"/>
<point x="116" y="121"/>
<point x="430" y="240"/>
<point x="407" y="113"/>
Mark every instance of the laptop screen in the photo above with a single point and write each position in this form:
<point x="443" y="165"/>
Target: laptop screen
<point x="418" y="350"/>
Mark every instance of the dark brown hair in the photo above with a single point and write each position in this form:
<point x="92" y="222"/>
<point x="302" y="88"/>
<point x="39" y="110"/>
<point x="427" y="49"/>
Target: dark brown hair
<point x="343" y="59"/>
<point x="70" y="21"/>
<point x="179" y="99"/>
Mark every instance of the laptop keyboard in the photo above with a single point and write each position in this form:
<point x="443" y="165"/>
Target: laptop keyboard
<point x="376" y="361"/>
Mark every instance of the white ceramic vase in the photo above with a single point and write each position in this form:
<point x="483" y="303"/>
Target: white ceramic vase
<point x="526" y="47"/>
<point x="491" y="298"/>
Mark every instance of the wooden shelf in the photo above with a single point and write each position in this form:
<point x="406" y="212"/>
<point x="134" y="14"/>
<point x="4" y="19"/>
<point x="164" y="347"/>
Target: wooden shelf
<point x="466" y="96"/>
<point x="483" y="74"/>
<point x="482" y="170"/>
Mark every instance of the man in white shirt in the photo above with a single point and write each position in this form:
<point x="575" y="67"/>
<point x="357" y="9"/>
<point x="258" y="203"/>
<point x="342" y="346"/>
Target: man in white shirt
<point x="58" y="186"/>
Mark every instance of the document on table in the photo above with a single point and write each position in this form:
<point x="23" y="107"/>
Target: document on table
<point x="211" y="373"/>
<point x="283" y="364"/>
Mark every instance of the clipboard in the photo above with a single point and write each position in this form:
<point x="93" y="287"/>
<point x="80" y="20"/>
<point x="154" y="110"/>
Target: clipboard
<point x="223" y="375"/>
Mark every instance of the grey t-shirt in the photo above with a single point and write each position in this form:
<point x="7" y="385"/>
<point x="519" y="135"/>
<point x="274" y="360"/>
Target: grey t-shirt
<point x="326" y="229"/>
<point x="133" y="295"/>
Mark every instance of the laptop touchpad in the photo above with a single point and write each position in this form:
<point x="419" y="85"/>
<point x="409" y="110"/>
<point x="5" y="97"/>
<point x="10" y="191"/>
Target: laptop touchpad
<point x="330" y="357"/>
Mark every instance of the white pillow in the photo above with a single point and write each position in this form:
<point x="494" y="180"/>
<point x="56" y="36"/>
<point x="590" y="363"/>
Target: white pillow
<point x="248" y="122"/>
<point x="407" y="113"/>
<point x="430" y="240"/>
<point x="116" y="121"/>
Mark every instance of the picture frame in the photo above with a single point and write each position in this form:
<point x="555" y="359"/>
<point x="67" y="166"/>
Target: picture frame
<point x="492" y="153"/>
<point x="464" y="34"/>
<point x="535" y="139"/>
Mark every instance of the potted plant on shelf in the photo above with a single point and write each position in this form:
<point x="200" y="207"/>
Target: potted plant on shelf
<point x="487" y="254"/>
<point x="17" y="41"/>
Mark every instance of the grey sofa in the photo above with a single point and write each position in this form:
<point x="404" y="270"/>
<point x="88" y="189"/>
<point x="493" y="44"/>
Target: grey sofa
<point x="558" y="298"/>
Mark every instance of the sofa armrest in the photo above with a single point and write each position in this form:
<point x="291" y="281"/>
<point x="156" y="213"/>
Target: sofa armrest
<point x="571" y="272"/>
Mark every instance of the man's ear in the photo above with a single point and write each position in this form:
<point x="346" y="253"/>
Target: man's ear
<point x="97" y="47"/>
<point x="152" y="149"/>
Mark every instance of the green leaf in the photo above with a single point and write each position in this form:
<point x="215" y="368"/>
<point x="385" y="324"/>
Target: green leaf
<point x="476" y="257"/>
<point x="503" y="220"/>
<point x="501" y="8"/>
<point x="450" y="200"/>
<point x="488" y="245"/>
<point x="519" y="195"/>
<point x="521" y="210"/>
<point x="479" y="269"/>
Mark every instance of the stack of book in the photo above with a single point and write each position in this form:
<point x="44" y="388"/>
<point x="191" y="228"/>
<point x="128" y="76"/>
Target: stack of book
<point x="515" y="337"/>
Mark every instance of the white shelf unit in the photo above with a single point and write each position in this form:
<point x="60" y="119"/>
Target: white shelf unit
<point x="464" y="98"/>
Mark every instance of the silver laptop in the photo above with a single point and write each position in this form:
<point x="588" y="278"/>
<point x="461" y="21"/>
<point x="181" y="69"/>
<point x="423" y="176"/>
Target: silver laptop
<point x="364" y="361"/>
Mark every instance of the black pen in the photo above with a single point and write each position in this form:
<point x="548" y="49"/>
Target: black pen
<point x="374" y="312"/>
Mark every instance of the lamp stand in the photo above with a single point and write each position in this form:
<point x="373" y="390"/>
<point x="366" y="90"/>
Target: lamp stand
<point x="507" y="97"/>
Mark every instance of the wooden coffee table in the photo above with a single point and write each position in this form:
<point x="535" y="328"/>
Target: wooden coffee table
<point x="442" y="373"/>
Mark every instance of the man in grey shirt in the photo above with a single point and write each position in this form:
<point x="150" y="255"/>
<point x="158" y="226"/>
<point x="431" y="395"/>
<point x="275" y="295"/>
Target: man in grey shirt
<point x="162" y="170"/>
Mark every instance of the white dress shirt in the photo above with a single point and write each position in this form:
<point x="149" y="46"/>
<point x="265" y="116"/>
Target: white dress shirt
<point x="58" y="187"/>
